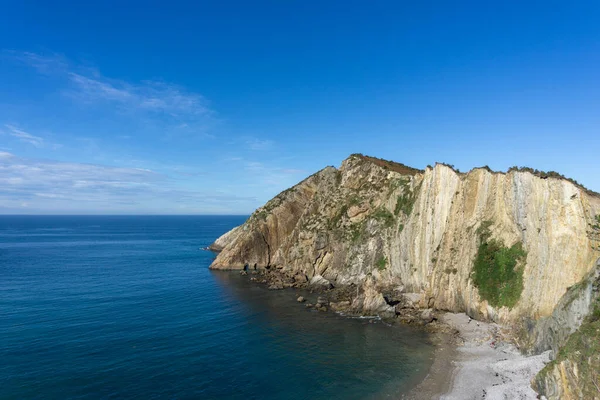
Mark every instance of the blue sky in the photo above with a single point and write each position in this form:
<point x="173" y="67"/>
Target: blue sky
<point x="214" y="107"/>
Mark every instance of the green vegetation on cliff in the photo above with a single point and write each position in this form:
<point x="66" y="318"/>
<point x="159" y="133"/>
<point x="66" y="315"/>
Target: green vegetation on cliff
<point x="383" y="215"/>
<point x="405" y="203"/>
<point x="580" y="357"/>
<point x="381" y="263"/>
<point x="498" y="270"/>
<point x="596" y="225"/>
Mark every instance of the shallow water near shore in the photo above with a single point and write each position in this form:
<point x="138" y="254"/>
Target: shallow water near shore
<point x="125" y="307"/>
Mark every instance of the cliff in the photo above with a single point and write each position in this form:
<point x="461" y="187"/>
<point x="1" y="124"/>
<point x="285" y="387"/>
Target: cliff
<point x="500" y="246"/>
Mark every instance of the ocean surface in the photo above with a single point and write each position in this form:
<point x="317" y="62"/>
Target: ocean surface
<point x="126" y="307"/>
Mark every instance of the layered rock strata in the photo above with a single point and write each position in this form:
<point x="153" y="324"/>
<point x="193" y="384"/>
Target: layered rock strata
<point x="426" y="235"/>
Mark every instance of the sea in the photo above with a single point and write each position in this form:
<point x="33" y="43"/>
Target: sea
<point x="125" y="307"/>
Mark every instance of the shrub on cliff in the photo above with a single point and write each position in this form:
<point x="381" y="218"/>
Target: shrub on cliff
<point x="578" y="359"/>
<point x="498" y="270"/>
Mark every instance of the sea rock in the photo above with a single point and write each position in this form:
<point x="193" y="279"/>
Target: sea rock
<point x="372" y="301"/>
<point x="322" y="300"/>
<point x="427" y="315"/>
<point x="321" y="307"/>
<point x="340" y="305"/>
<point x="300" y="299"/>
<point x="276" y="286"/>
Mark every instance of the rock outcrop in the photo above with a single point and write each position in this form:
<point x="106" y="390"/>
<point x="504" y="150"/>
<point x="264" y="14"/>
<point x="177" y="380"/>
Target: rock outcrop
<point x="575" y="341"/>
<point x="434" y="233"/>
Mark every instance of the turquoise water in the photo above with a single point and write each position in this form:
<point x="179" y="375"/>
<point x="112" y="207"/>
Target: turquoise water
<point x="125" y="307"/>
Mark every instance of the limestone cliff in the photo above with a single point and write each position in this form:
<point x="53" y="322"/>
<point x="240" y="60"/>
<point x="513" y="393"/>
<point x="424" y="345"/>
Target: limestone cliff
<point x="438" y="235"/>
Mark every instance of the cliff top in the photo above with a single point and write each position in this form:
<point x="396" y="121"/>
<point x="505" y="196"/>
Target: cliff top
<point x="406" y="170"/>
<point x="389" y="165"/>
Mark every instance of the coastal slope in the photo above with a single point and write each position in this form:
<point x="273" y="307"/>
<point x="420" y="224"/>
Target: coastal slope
<point x="502" y="247"/>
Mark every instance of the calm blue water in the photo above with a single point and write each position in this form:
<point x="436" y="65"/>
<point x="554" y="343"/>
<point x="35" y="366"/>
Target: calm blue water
<point x="125" y="307"/>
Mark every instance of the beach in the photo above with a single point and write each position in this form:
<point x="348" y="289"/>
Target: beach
<point x="475" y="360"/>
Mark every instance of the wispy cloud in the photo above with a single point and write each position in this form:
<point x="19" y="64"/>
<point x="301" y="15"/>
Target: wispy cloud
<point x="24" y="136"/>
<point x="51" y="186"/>
<point x="183" y="110"/>
<point x="148" y="96"/>
<point x="45" y="64"/>
<point x="259" y="144"/>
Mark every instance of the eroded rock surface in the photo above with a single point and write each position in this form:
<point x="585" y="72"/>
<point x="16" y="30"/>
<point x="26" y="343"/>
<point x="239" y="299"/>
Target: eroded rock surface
<point x="381" y="226"/>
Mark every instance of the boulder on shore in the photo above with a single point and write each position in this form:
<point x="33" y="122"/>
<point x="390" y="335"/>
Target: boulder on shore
<point x="319" y="281"/>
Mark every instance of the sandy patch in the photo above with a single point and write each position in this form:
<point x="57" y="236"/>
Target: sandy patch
<point x="482" y="366"/>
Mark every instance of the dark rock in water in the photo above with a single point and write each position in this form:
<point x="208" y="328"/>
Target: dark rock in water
<point x="340" y="305"/>
<point x="214" y="247"/>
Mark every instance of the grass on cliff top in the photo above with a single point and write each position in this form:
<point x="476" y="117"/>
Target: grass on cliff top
<point x="389" y="165"/>
<point x="498" y="270"/>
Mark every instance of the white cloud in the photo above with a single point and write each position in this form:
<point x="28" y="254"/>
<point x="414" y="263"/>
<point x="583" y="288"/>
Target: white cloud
<point x="157" y="103"/>
<point x="95" y="89"/>
<point x="148" y="96"/>
<point x="52" y="186"/>
<point x="24" y="136"/>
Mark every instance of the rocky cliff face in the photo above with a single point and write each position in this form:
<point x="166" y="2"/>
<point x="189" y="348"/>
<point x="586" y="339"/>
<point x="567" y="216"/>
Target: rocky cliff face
<point x="574" y="337"/>
<point x="499" y="246"/>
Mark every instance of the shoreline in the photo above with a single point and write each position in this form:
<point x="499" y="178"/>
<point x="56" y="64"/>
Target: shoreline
<point x="438" y="380"/>
<point x="471" y="359"/>
<point x="477" y="362"/>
